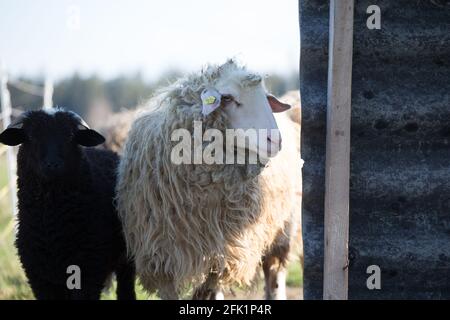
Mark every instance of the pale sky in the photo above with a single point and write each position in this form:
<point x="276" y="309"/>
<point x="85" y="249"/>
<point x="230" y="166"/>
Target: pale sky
<point x="109" y="38"/>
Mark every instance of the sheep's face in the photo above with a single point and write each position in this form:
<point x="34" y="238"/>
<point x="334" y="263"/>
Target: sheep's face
<point x="247" y="105"/>
<point x="50" y="142"/>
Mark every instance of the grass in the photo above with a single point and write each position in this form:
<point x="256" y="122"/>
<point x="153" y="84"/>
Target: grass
<point x="295" y="274"/>
<point x="3" y="171"/>
<point x="13" y="283"/>
<point x="110" y="294"/>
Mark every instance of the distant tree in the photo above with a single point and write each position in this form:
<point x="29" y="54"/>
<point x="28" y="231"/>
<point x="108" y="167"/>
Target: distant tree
<point x="23" y="99"/>
<point x="167" y="77"/>
<point x="76" y="93"/>
<point x="81" y="94"/>
<point x="279" y="85"/>
<point x="127" y="92"/>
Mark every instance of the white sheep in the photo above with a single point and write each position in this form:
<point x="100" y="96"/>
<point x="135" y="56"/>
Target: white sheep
<point x="293" y="98"/>
<point x="210" y="225"/>
<point x="115" y="129"/>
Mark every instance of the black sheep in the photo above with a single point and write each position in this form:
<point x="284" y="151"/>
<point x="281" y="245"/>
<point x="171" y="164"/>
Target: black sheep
<point x="66" y="212"/>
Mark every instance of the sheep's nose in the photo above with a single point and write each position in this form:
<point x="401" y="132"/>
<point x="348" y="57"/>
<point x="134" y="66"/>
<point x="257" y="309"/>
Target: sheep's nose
<point x="52" y="165"/>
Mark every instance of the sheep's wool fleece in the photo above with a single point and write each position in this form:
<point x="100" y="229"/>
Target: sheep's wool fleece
<point x="183" y="222"/>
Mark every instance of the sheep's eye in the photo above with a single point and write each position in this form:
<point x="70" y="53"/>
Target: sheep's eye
<point x="227" y="98"/>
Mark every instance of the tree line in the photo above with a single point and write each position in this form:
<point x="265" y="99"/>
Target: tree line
<point x="83" y="93"/>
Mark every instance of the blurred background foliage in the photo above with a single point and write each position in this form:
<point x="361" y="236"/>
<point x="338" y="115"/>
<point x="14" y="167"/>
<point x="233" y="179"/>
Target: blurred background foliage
<point x="86" y="94"/>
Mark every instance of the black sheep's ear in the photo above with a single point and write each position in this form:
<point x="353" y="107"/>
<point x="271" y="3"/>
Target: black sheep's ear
<point x="14" y="134"/>
<point x="88" y="138"/>
<point x="85" y="136"/>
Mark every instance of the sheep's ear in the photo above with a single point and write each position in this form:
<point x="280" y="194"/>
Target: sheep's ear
<point x="277" y="105"/>
<point x="85" y="136"/>
<point x="211" y="99"/>
<point x="88" y="138"/>
<point x="13" y="136"/>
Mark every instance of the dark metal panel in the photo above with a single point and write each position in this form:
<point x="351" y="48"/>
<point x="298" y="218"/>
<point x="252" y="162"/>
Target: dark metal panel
<point x="400" y="155"/>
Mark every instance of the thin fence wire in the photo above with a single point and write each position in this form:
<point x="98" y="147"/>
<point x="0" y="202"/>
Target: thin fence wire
<point x="7" y="112"/>
<point x="5" y="102"/>
<point x="26" y="87"/>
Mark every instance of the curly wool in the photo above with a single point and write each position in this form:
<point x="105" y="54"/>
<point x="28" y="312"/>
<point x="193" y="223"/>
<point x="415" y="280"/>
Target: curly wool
<point x="66" y="217"/>
<point x="293" y="98"/>
<point x="72" y="223"/>
<point x="183" y="222"/>
<point x="116" y="128"/>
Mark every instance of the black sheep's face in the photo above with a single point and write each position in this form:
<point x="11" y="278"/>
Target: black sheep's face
<point x="50" y="142"/>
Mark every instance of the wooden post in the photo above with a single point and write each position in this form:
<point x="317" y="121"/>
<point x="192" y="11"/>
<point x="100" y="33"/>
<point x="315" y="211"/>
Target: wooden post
<point x="47" y="102"/>
<point x="337" y="164"/>
<point x="5" y="102"/>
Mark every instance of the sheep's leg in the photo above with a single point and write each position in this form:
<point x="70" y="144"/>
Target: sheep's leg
<point x="219" y="295"/>
<point x="125" y="275"/>
<point x="88" y="291"/>
<point x="275" y="279"/>
<point x="269" y="278"/>
<point x="209" y="290"/>
<point x="275" y="260"/>
<point x="208" y="294"/>
<point x="44" y="290"/>
<point x="280" y="293"/>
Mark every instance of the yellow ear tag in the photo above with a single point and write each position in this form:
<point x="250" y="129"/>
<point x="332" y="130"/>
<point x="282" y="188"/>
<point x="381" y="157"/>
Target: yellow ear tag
<point x="210" y="100"/>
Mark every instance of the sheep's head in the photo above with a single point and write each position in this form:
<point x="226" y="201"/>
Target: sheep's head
<point x="242" y="97"/>
<point x="50" y="141"/>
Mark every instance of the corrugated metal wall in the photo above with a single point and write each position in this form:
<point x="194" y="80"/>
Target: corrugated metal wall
<point x="400" y="148"/>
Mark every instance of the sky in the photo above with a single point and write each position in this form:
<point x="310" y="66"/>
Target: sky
<point x="56" y="38"/>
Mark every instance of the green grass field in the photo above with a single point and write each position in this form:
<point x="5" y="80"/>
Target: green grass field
<point x="13" y="284"/>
